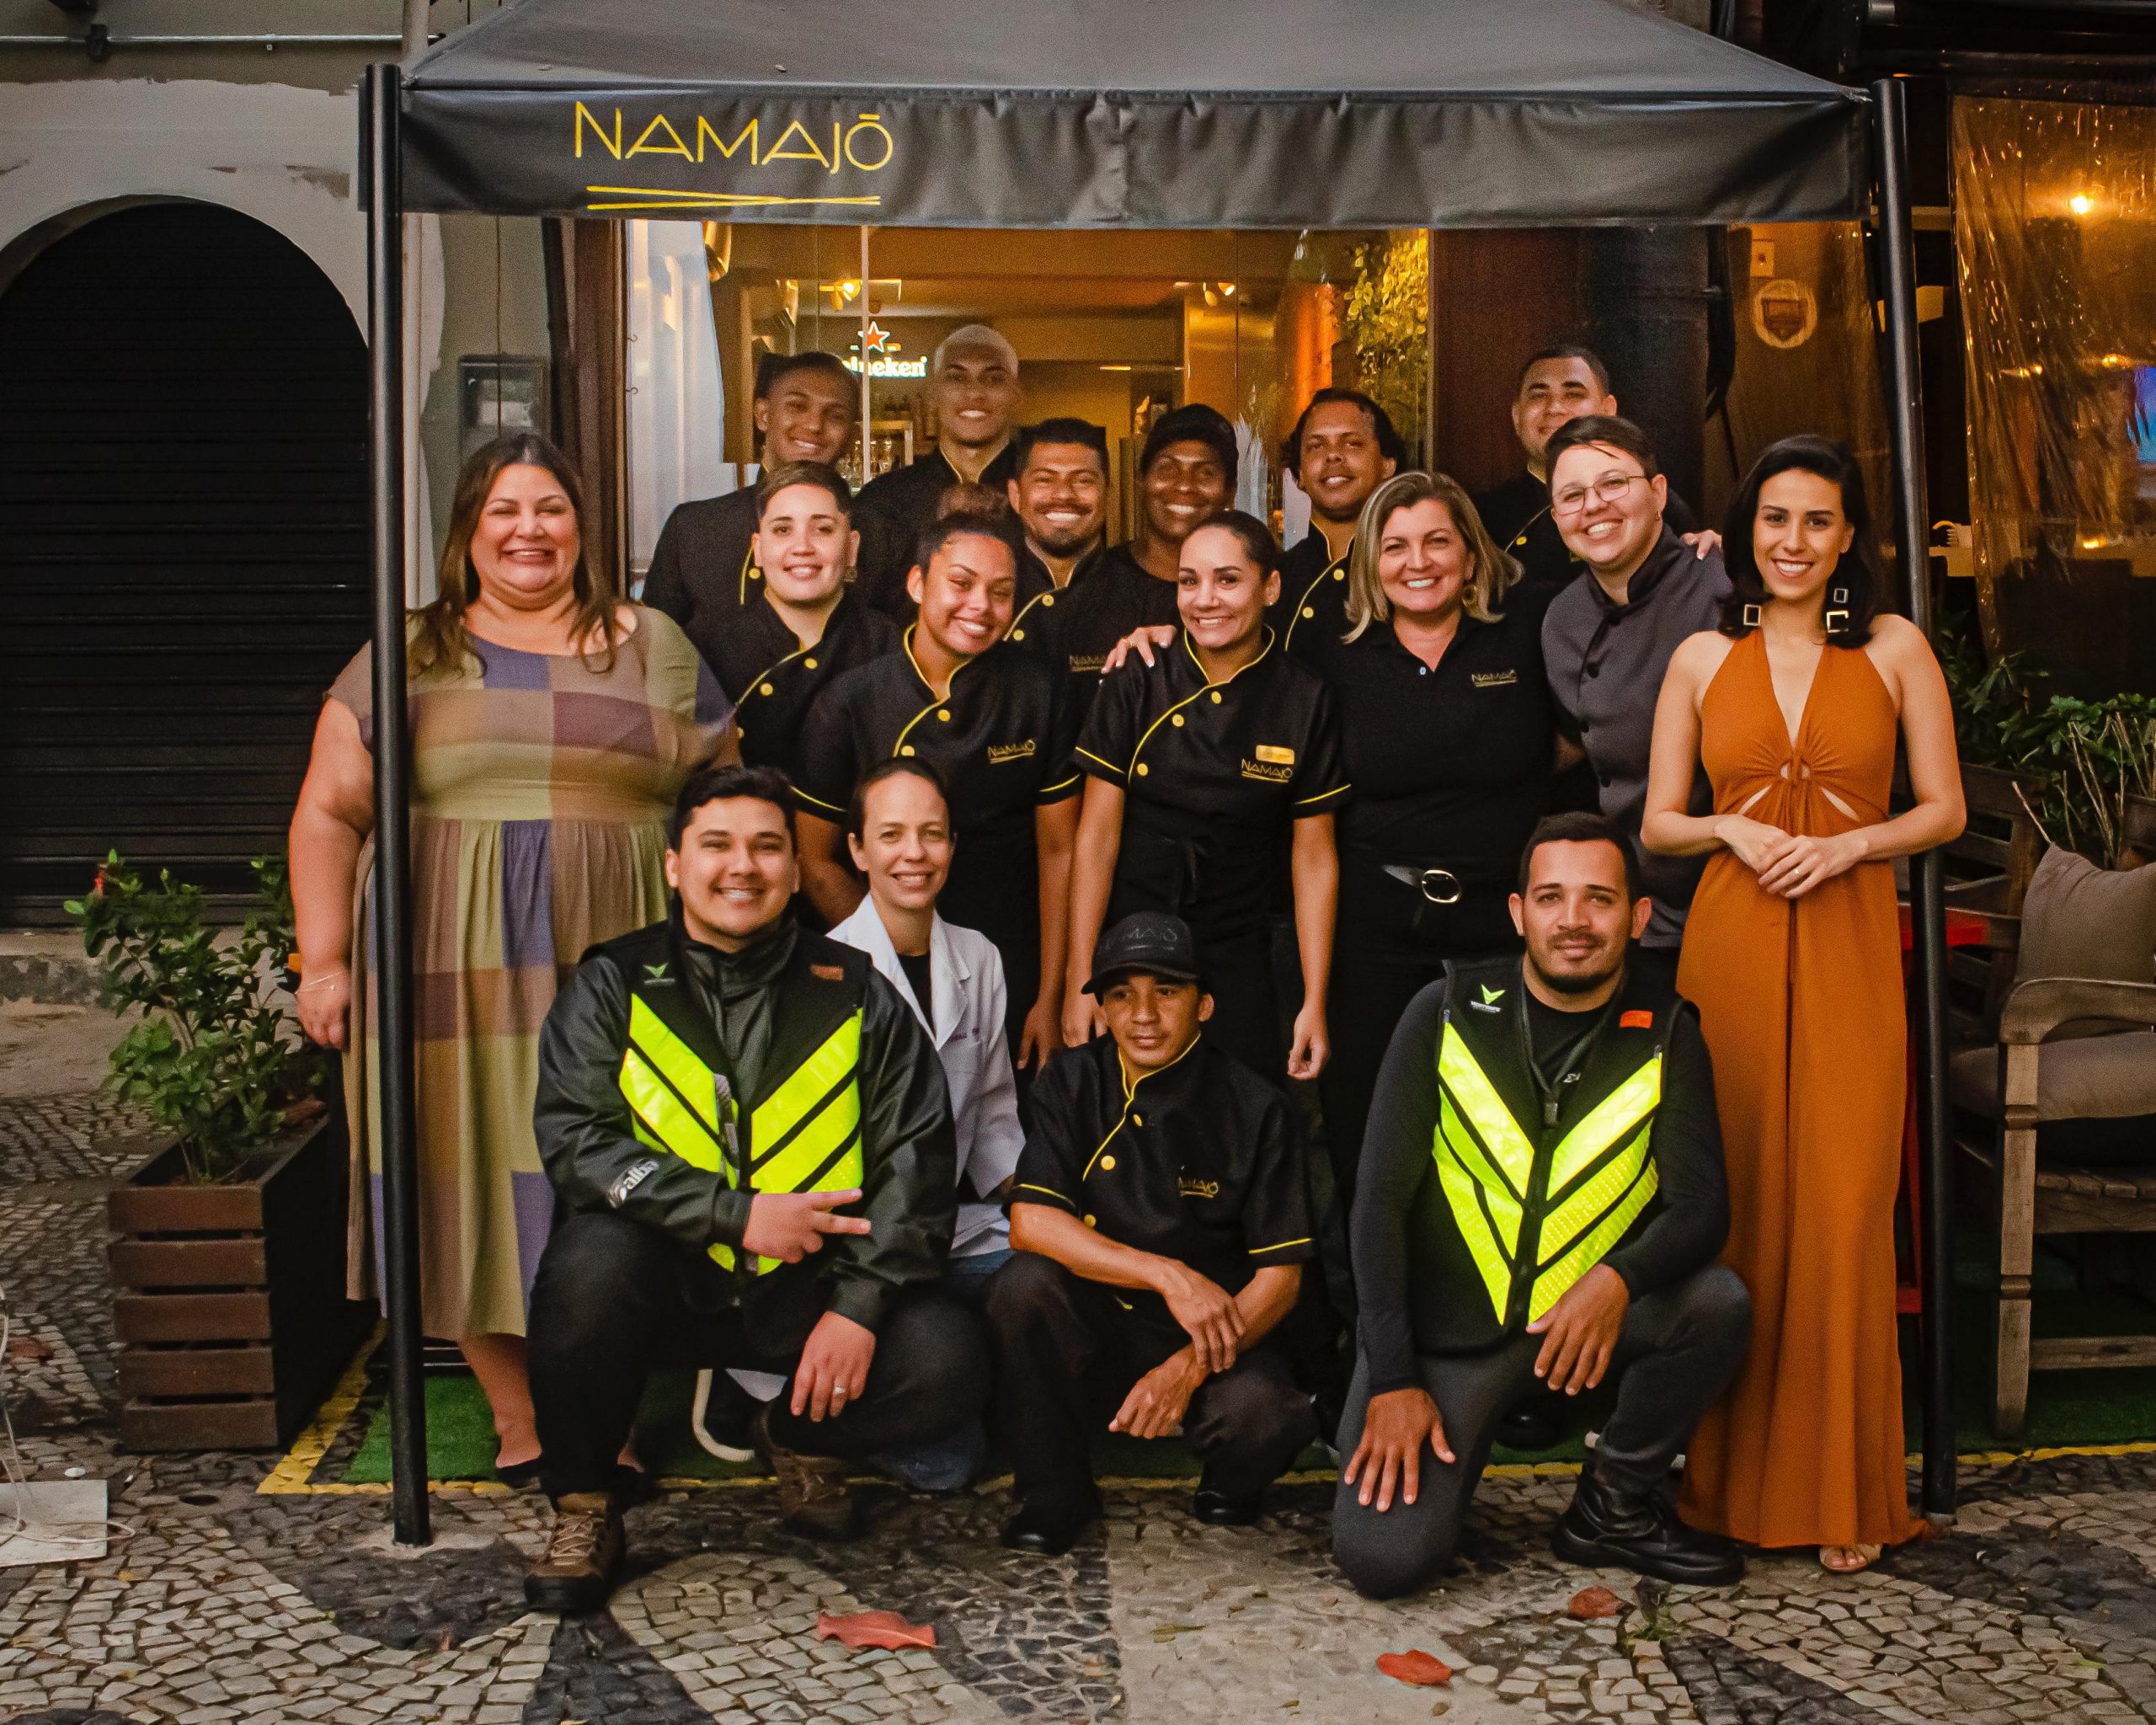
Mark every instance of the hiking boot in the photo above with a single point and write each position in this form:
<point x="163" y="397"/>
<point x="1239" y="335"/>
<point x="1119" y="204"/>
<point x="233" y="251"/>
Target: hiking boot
<point x="814" y="1498"/>
<point x="1605" y="1526"/>
<point x="583" y="1553"/>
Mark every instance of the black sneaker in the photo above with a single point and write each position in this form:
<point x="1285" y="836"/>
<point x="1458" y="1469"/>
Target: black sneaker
<point x="584" y="1551"/>
<point x="1637" y="1531"/>
<point x="1216" y="1507"/>
<point x="1046" y="1529"/>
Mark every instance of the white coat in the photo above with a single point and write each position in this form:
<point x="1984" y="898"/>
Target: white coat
<point x="967" y="973"/>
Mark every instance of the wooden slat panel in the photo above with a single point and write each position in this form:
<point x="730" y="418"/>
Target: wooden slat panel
<point x="188" y="1264"/>
<point x="148" y="1373"/>
<point x="192" y="1317"/>
<point x="198" y="1425"/>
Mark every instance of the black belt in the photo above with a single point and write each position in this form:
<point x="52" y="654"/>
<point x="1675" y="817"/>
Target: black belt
<point x="1440" y="886"/>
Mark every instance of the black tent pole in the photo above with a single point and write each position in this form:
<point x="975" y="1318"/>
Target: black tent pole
<point x="391" y="883"/>
<point x="1897" y="254"/>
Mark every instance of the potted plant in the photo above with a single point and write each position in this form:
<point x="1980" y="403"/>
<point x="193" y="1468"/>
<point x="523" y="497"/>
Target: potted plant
<point x="227" y="1246"/>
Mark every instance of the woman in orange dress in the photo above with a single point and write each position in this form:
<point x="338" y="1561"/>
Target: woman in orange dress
<point x="1792" y="955"/>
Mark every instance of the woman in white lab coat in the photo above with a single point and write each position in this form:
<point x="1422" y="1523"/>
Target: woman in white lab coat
<point x="899" y="831"/>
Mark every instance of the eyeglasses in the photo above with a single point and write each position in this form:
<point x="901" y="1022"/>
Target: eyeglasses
<point x="1610" y="488"/>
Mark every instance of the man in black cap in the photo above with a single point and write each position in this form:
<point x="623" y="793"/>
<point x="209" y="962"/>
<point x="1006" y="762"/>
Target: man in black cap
<point x="1160" y="1228"/>
<point x="1186" y="475"/>
<point x="704" y="569"/>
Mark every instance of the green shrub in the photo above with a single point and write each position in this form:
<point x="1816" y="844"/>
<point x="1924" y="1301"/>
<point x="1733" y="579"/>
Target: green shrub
<point x="215" y="1061"/>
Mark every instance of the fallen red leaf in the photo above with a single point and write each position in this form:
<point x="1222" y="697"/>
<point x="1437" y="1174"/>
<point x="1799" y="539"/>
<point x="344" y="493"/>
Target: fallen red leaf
<point x="1590" y="1603"/>
<point x="874" y="1629"/>
<point x="1423" y="1671"/>
<point x="28" y="1348"/>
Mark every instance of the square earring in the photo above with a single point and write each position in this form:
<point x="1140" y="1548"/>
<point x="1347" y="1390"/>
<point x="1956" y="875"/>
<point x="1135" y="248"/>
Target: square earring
<point x="1751" y="616"/>
<point x="1837" y="621"/>
<point x="1840" y="595"/>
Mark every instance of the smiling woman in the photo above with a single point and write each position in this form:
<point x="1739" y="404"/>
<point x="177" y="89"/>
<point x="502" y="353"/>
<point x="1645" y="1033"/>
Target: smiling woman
<point x="551" y="726"/>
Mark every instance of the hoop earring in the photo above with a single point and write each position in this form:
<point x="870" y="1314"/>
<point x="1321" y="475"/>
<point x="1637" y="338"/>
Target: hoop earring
<point x="1751" y="616"/>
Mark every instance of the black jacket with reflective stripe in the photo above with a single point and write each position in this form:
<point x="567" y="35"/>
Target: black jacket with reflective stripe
<point x="755" y="1015"/>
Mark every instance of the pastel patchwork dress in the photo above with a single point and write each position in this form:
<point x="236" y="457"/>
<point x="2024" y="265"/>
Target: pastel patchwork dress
<point x="541" y="784"/>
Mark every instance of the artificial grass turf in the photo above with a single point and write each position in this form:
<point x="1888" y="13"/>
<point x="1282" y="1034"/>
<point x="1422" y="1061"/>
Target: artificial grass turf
<point x="2065" y="1408"/>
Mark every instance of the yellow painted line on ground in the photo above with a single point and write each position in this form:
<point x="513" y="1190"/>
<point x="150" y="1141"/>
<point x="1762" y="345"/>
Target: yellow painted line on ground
<point x="295" y="1469"/>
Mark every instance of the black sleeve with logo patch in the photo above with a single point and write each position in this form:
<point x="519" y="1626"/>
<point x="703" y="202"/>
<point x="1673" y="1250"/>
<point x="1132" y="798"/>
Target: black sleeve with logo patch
<point x="1691" y="1220"/>
<point x="1396" y="1160"/>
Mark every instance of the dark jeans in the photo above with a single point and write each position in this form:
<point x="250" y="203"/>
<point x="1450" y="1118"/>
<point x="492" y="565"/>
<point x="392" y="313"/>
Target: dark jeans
<point x="1678" y="1350"/>
<point x="1068" y="1353"/>
<point x="613" y="1300"/>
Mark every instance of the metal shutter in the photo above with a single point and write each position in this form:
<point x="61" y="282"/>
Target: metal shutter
<point x="182" y="545"/>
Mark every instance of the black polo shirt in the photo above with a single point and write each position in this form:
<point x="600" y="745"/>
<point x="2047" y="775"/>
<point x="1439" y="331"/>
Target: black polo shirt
<point x="1516" y="515"/>
<point x="1313" y="600"/>
<point x="1117" y="596"/>
<point x="703" y="571"/>
<point x="1198" y="1162"/>
<point x="776" y="680"/>
<point x="1450" y="765"/>
<point x="1214" y="778"/>
<point x="1003" y="743"/>
<point x="893" y="510"/>
<point x="1037" y="615"/>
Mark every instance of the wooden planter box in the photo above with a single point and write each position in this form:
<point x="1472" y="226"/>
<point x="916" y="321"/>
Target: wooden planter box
<point x="229" y="1299"/>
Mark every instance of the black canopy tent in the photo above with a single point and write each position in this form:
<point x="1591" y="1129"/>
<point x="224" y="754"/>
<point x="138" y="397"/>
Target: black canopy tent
<point x="1103" y="114"/>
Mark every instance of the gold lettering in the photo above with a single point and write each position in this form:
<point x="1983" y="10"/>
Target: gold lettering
<point x="779" y="152"/>
<point x="873" y="124"/>
<point x="705" y="129"/>
<point x="644" y="146"/>
<point x="835" y="146"/>
<point x="613" y="144"/>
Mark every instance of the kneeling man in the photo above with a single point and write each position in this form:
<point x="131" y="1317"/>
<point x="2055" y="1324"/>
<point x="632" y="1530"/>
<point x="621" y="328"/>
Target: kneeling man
<point x="1542" y="1198"/>
<point x="749" y="1135"/>
<point x="1160" y="1230"/>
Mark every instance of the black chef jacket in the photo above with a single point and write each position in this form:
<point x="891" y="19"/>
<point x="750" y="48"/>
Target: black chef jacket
<point x="1037" y="615"/>
<point x="1198" y="1162"/>
<point x="1313" y="600"/>
<point x="1518" y="518"/>
<point x="1213" y="776"/>
<point x="1003" y="743"/>
<point x="1117" y="596"/>
<point x="1450" y="766"/>
<point x="703" y="571"/>
<point x="774" y="681"/>
<point x="893" y="510"/>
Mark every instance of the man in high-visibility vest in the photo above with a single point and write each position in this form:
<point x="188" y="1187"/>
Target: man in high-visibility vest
<point x="1542" y="1198"/>
<point x="750" y="1137"/>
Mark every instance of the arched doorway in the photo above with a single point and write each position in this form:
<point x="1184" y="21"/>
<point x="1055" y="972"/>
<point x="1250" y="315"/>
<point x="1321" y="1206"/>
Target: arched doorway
<point x="182" y="545"/>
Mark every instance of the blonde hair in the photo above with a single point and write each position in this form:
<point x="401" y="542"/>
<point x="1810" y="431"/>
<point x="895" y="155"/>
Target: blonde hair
<point x="1490" y="571"/>
<point x="437" y="642"/>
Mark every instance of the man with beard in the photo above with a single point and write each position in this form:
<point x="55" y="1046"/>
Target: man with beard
<point x="1186" y="475"/>
<point x="1341" y="451"/>
<point x="704" y="569"/>
<point x="1542" y="1199"/>
<point x="974" y="384"/>
<point x="1060" y="493"/>
<point x="1556" y="386"/>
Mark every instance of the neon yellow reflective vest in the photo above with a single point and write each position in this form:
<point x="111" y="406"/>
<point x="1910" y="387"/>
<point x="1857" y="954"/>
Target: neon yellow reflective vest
<point x="1537" y="1206"/>
<point x="803" y="1135"/>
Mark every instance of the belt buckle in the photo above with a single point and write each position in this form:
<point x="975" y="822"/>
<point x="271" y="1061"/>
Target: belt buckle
<point x="1440" y="886"/>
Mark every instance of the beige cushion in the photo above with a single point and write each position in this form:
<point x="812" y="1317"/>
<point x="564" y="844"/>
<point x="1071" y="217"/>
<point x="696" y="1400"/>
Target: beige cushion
<point x="2081" y="920"/>
<point x="2090" y="1078"/>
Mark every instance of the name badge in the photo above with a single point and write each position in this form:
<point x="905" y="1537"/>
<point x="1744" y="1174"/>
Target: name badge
<point x="1275" y="755"/>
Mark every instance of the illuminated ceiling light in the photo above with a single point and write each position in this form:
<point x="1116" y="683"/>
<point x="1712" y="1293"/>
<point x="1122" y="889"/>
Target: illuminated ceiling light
<point x="1228" y="288"/>
<point x="2081" y="203"/>
<point x="1115" y="368"/>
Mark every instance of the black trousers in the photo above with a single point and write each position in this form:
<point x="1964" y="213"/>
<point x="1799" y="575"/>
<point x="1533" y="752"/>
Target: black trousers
<point x="1067" y="1354"/>
<point x="1678" y="1352"/>
<point x="613" y="1299"/>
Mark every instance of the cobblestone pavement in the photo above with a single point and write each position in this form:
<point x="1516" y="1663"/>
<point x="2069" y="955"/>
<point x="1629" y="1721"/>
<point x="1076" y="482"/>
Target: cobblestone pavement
<point x="221" y="1603"/>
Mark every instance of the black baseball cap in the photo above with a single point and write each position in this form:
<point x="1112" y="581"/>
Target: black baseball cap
<point x="1148" y="941"/>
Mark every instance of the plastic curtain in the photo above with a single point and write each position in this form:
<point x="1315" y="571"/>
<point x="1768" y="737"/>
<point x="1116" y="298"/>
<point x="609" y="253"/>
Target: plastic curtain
<point x="2055" y="235"/>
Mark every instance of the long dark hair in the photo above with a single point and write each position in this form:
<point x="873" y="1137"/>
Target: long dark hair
<point x="439" y="642"/>
<point x="1857" y="574"/>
